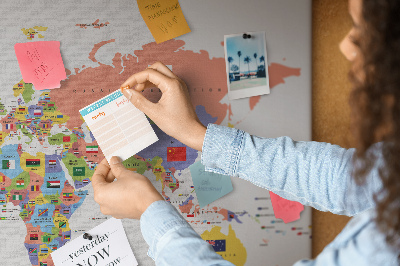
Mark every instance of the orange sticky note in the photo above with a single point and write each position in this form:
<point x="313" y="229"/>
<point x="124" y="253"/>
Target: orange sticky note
<point x="288" y="211"/>
<point x="41" y="64"/>
<point x="164" y="18"/>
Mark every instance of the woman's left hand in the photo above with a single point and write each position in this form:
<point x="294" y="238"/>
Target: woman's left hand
<point x="127" y="197"/>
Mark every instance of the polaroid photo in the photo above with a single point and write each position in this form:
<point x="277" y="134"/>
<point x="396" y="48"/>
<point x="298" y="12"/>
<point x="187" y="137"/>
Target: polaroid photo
<point x="246" y="65"/>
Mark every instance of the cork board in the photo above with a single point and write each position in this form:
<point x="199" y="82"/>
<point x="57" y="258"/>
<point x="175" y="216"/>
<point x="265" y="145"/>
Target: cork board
<point x="330" y="97"/>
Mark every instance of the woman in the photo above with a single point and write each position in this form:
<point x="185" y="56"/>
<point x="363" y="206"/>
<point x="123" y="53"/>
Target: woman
<point x="316" y="174"/>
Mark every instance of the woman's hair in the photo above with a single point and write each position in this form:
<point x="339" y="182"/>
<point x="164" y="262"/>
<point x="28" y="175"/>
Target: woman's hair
<point x="375" y="102"/>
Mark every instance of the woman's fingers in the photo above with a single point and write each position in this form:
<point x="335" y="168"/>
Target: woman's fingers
<point x="153" y="76"/>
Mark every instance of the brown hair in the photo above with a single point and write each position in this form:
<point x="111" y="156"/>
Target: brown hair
<point x="375" y="102"/>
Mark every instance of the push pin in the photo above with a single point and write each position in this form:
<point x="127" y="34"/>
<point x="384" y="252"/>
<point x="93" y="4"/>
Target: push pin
<point x="87" y="236"/>
<point x="127" y="87"/>
<point x="246" y="36"/>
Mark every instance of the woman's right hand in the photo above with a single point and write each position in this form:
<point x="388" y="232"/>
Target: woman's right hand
<point x="173" y="113"/>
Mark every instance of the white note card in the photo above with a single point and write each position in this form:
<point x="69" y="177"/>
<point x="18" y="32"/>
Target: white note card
<point x="109" y="246"/>
<point x="118" y="126"/>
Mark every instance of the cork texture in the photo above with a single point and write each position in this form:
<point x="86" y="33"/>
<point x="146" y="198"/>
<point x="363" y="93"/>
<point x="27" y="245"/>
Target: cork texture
<point x="330" y="98"/>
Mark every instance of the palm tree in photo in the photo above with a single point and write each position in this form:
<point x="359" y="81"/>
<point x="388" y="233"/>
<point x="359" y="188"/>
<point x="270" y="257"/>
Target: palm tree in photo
<point x="255" y="60"/>
<point x="247" y="61"/>
<point x="262" y="59"/>
<point x="230" y="60"/>
<point x="239" y="55"/>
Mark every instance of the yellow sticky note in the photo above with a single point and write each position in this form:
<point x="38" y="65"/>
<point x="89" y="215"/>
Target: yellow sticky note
<point x="164" y="18"/>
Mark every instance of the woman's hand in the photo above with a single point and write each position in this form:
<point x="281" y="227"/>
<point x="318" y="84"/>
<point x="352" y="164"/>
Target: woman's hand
<point x="127" y="197"/>
<point x="174" y="112"/>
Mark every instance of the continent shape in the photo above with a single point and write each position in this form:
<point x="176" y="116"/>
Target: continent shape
<point x="234" y="252"/>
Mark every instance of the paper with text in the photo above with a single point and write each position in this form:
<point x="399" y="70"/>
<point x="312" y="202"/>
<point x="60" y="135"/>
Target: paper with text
<point x="118" y="126"/>
<point x="209" y="186"/>
<point x="109" y="246"/>
<point x="164" y="18"/>
<point x="287" y="210"/>
<point x="41" y="64"/>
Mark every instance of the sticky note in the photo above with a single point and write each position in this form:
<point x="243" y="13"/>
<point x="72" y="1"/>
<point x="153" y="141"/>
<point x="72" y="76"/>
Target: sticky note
<point x="41" y="64"/>
<point x="108" y="246"/>
<point x="288" y="211"/>
<point x="164" y="18"/>
<point x="209" y="186"/>
<point x="118" y="126"/>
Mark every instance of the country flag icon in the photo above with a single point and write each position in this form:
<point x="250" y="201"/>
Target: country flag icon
<point x="176" y="154"/>
<point x="34" y="237"/>
<point x="52" y="162"/>
<point x="46" y="239"/>
<point x="85" y="181"/>
<point x="35" y="188"/>
<point x="62" y="224"/>
<point x="33" y="250"/>
<point x="54" y="201"/>
<point x="37" y="112"/>
<point x="53" y="184"/>
<point x="8" y="164"/>
<point x="20" y="183"/>
<point x="60" y="116"/>
<point x="92" y="149"/>
<point x="67" y="195"/>
<point x="44" y="250"/>
<point x="32" y="162"/>
<point x="43" y="212"/>
<point x="20" y="85"/>
<point x="10" y="126"/>
<point x="17" y="197"/>
<point x="66" y="139"/>
<point x="67" y="237"/>
<point x="78" y="171"/>
<point x="2" y="178"/>
<point x="218" y="245"/>
<point x="21" y="109"/>
<point x="66" y="211"/>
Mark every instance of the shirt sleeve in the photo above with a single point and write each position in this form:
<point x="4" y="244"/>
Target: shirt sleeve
<point x="312" y="173"/>
<point x="172" y="241"/>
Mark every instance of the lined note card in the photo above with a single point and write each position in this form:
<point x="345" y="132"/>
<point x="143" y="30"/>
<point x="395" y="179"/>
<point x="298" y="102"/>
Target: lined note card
<point x="41" y="64"/>
<point x="164" y="18"/>
<point x="118" y="126"/>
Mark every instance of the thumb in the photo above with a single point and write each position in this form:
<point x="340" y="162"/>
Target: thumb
<point x="117" y="167"/>
<point x="138" y="100"/>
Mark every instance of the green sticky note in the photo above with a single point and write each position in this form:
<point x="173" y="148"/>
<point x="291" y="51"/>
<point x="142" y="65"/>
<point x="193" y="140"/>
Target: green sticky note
<point x="209" y="186"/>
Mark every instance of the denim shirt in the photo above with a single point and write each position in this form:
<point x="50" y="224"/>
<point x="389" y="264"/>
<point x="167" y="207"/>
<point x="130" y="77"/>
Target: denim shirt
<point x="312" y="173"/>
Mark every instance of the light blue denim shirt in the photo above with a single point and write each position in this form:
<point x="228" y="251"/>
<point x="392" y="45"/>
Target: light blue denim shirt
<point x="312" y="173"/>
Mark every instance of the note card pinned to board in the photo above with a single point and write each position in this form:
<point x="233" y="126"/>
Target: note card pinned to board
<point x="287" y="210"/>
<point x="108" y="246"/>
<point x="41" y="64"/>
<point x="209" y="186"/>
<point x="164" y="18"/>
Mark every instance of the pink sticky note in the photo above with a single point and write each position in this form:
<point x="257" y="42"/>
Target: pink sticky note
<point x="41" y="64"/>
<point x="288" y="211"/>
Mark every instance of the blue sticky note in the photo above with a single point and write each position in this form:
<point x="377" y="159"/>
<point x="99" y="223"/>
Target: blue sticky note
<point x="209" y="186"/>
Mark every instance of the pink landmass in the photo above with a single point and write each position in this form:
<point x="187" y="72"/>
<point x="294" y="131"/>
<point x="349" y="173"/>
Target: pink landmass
<point x="22" y="192"/>
<point x="205" y="78"/>
<point x="7" y="181"/>
<point x="96" y="48"/>
<point x="33" y="230"/>
<point x="253" y="101"/>
<point x="186" y="208"/>
<point x="224" y="213"/>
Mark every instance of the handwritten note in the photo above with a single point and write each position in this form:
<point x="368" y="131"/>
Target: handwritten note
<point x="118" y="126"/>
<point x="288" y="211"/>
<point x="41" y="64"/>
<point x="209" y="186"/>
<point x="109" y="246"/>
<point x="164" y="18"/>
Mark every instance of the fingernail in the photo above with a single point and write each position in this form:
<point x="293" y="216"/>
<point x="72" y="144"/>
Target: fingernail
<point x="128" y="93"/>
<point x="115" y="160"/>
<point x="127" y="87"/>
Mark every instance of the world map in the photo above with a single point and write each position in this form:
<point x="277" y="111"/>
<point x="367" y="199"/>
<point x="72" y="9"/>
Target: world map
<point x="48" y="154"/>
